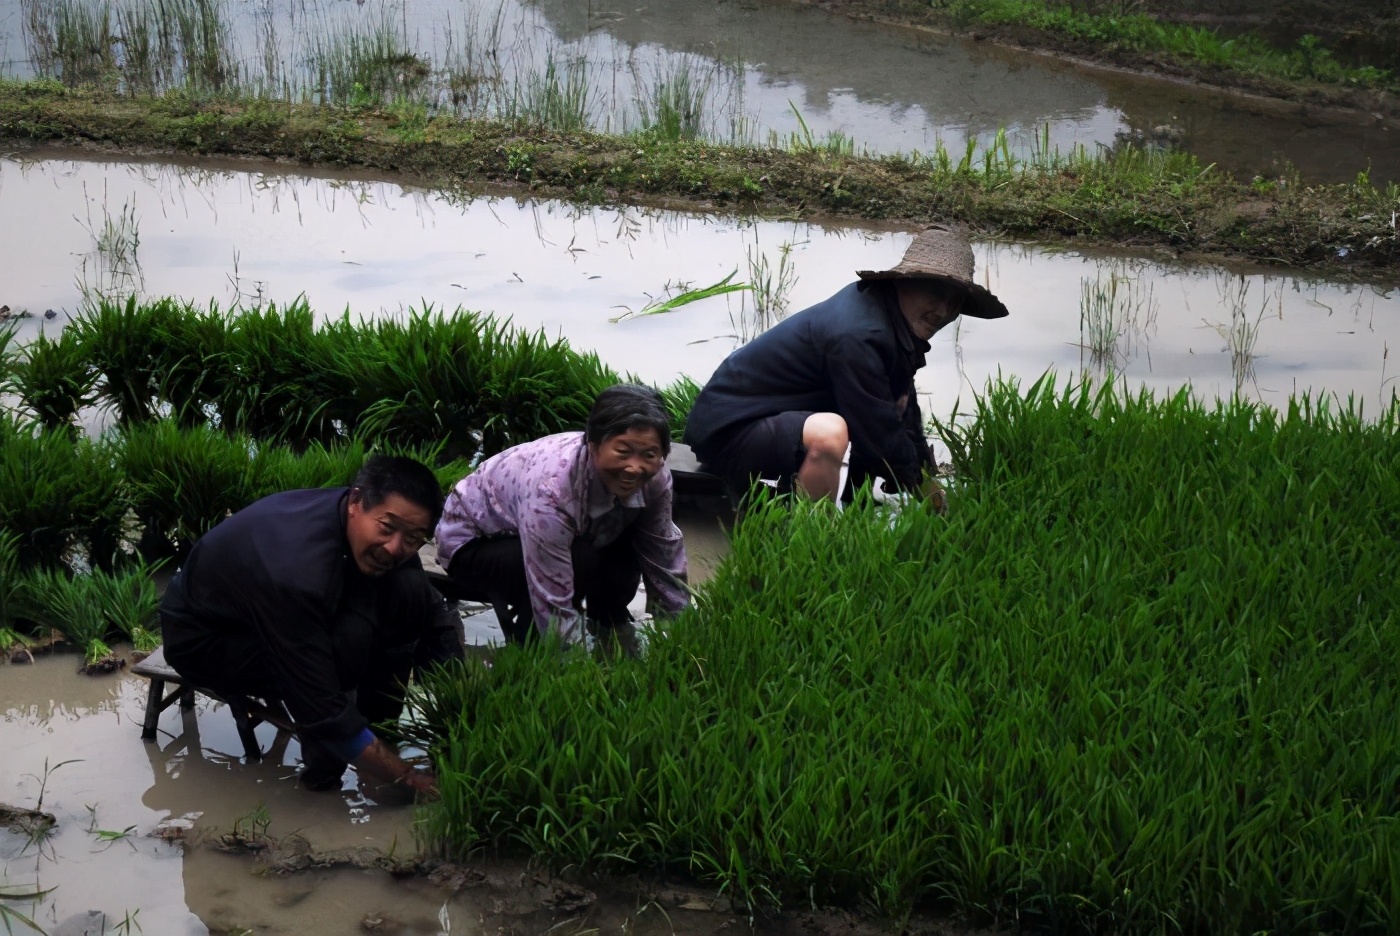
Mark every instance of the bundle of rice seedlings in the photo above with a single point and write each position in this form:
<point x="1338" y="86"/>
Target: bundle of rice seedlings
<point x="183" y="481"/>
<point x="44" y="487"/>
<point x="70" y="605"/>
<point x="130" y="601"/>
<point x="54" y="379"/>
<point x="13" y="640"/>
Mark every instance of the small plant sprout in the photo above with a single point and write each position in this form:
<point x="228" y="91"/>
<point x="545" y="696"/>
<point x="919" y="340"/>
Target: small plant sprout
<point x="1116" y="311"/>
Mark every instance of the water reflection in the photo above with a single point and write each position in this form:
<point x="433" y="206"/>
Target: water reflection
<point x="374" y="248"/>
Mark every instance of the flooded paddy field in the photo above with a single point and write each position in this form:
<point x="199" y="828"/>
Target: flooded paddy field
<point x="230" y="235"/>
<point x="746" y="73"/>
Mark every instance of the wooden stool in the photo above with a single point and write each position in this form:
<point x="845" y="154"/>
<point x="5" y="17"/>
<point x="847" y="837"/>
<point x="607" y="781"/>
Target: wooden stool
<point x="247" y="712"/>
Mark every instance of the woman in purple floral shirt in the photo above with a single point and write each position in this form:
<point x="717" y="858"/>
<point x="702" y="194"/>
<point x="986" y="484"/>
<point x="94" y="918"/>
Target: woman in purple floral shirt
<point x="568" y="526"/>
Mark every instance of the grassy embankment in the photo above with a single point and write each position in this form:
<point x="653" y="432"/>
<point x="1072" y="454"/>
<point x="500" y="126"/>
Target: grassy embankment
<point x="1135" y="681"/>
<point x="1131" y="198"/>
<point x="1124" y="34"/>
<point x="212" y="409"/>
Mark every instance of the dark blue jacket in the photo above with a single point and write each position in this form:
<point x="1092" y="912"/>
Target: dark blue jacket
<point x="853" y="355"/>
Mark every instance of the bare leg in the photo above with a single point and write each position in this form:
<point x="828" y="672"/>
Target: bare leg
<point x="825" y="436"/>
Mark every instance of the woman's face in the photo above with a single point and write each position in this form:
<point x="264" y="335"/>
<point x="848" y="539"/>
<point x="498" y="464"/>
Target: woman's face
<point x="627" y="461"/>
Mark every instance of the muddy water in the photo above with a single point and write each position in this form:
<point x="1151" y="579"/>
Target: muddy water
<point x="771" y="70"/>
<point x="72" y="747"/>
<point x="376" y="248"/>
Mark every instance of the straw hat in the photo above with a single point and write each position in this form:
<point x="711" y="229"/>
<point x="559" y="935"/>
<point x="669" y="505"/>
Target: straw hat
<point x="940" y="253"/>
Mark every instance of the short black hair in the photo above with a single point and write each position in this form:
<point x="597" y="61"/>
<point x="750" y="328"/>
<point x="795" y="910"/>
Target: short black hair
<point x="382" y="475"/>
<point x="628" y="406"/>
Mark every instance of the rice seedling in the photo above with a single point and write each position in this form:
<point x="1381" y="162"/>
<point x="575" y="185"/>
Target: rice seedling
<point x="1114" y="310"/>
<point x="802" y="139"/>
<point x="130" y="600"/>
<point x="68" y="604"/>
<point x="183" y="481"/>
<point x="54" y="491"/>
<point x="54" y="379"/>
<point x="9" y="915"/>
<point x="771" y="286"/>
<point x="365" y="65"/>
<point x="673" y="106"/>
<point x="71" y="39"/>
<point x="682" y="294"/>
<point x="12" y="639"/>
<point x="1241" y="333"/>
<point x="560" y="97"/>
<point x="1138" y="653"/>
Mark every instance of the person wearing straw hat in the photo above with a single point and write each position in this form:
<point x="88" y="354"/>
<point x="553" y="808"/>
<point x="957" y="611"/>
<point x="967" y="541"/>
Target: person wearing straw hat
<point x="785" y="407"/>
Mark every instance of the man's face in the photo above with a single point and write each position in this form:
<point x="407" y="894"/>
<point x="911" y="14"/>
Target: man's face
<point x="386" y="535"/>
<point x="926" y="308"/>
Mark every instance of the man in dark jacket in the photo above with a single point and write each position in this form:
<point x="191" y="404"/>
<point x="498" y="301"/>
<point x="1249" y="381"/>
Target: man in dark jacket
<point x="317" y="598"/>
<point x="785" y="406"/>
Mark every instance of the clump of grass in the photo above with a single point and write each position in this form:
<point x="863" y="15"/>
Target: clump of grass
<point x="1307" y="59"/>
<point x="1241" y="333"/>
<point x="560" y="97"/>
<point x="1090" y="697"/>
<point x="367" y="65"/>
<point x="12" y="636"/>
<point x="672" y="107"/>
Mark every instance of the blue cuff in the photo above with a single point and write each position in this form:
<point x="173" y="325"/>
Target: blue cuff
<point x="352" y="747"/>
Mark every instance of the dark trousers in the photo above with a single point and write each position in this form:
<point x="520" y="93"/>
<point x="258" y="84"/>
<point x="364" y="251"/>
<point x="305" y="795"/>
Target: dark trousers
<point x="492" y="569"/>
<point x="373" y="663"/>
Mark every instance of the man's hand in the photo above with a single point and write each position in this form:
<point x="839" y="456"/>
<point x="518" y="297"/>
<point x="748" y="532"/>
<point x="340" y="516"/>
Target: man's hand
<point x="383" y="764"/>
<point x="933" y="494"/>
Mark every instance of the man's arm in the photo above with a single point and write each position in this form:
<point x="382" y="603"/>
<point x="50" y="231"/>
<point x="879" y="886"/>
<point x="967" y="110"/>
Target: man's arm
<point x="860" y="383"/>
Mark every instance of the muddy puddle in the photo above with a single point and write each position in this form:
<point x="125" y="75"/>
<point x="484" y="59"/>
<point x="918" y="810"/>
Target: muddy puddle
<point x="756" y="72"/>
<point x="373" y="248"/>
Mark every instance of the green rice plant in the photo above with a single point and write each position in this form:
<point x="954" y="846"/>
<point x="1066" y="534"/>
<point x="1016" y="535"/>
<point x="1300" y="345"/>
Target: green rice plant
<point x="560" y="97"/>
<point x="9" y="353"/>
<point x="54" y="379"/>
<point x="71" y="39"/>
<point x="366" y="65"/>
<point x="420" y="379"/>
<point x="771" y="287"/>
<point x="12" y="637"/>
<point x="70" y="605"/>
<point x="681" y="294"/>
<point x="275" y="378"/>
<point x="1241" y="333"/>
<point x="57" y="493"/>
<point x="184" y="480"/>
<point x="124" y="341"/>
<point x="679" y="398"/>
<point x="1135" y="674"/>
<point x="205" y="40"/>
<point x="130" y="601"/>
<point x="14" y="894"/>
<point x="279" y="468"/>
<point x="1114" y="309"/>
<point x="672" y="107"/>
<point x="802" y="140"/>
